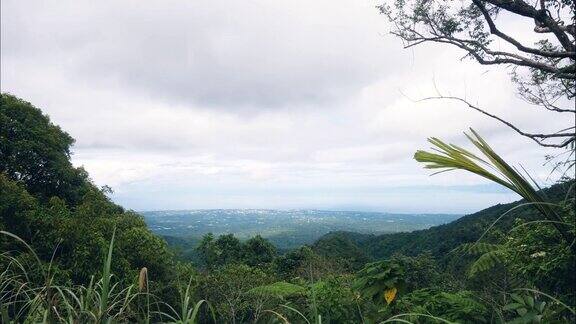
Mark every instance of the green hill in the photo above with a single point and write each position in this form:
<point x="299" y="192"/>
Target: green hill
<point x="67" y="220"/>
<point x="438" y="240"/>
<point x="344" y="248"/>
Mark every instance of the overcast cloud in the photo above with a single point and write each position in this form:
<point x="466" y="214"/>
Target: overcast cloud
<point x="257" y="104"/>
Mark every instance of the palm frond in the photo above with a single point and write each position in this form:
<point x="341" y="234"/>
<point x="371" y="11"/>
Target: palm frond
<point x="450" y="157"/>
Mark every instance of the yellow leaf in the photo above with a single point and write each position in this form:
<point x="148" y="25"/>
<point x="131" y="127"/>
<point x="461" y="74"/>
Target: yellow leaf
<point x="390" y="294"/>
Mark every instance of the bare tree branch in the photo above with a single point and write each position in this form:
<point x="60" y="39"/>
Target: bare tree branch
<point x="472" y="26"/>
<point x="538" y="138"/>
<point x="509" y="58"/>
<point x="522" y="8"/>
<point x="494" y="30"/>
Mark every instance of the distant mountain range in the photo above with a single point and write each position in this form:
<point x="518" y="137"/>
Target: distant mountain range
<point x="285" y="228"/>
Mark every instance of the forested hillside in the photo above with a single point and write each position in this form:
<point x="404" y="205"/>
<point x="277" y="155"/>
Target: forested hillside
<point x="285" y="228"/>
<point x="67" y="221"/>
<point x="443" y="239"/>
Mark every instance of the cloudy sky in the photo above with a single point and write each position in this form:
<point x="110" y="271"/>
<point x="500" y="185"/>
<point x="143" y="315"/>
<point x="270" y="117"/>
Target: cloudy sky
<point x="257" y="104"/>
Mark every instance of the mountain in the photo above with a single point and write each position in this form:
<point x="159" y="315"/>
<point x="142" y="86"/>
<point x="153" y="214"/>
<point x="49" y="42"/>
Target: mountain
<point x="343" y="247"/>
<point x="440" y="240"/>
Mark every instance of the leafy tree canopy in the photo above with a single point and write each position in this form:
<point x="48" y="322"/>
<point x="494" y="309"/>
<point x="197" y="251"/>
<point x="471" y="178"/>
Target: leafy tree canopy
<point x="37" y="153"/>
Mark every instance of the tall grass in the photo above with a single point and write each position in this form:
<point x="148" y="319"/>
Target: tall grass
<point x="316" y="316"/>
<point x="106" y="276"/>
<point x="101" y="301"/>
<point x="189" y="310"/>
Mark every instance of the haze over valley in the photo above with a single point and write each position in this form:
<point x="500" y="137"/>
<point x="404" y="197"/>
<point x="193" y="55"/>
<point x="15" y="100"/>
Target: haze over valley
<point x="284" y="228"/>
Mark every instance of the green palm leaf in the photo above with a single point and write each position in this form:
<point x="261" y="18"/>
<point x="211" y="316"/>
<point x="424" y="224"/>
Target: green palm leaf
<point x="448" y="157"/>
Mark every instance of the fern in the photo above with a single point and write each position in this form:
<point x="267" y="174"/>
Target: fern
<point x="490" y="255"/>
<point x="486" y="262"/>
<point x="478" y="248"/>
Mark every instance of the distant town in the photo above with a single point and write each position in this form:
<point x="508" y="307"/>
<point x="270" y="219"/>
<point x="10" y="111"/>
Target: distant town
<point x="285" y="228"/>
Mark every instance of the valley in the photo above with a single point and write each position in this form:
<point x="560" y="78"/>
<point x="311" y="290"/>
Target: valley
<point x="287" y="229"/>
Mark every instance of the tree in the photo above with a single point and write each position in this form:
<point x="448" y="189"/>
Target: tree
<point x="207" y="251"/>
<point x="63" y="216"/>
<point x="544" y="72"/>
<point x="421" y="271"/>
<point x="380" y="281"/>
<point x="258" y="251"/>
<point x="229" y="249"/>
<point x="336" y="300"/>
<point x="226" y="249"/>
<point x="37" y="152"/>
<point x="304" y="262"/>
<point x="459" y="307"/>
<point x="337" y="246"/>
<point x="228" y="290"/>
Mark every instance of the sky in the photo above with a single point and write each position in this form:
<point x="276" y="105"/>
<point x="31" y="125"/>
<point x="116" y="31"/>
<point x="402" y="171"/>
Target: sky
<point x="259" y="104"/>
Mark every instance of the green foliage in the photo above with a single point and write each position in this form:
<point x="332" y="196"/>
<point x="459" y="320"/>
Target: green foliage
<point x="189" y="311"/>
<point x="336" y="299"/>
<point x="290" y="264"/>
<point x="339" y="246"/>
<point x="101" y="301"/>
<point x="106" y="276"/>
<point x="184" y="249"/>
<point x="77" y="242"/>
<point x="71" y="255"/>
<point x="304" y="262"/>
<point x="459" y="307"/>
<point x="227" y="289"/>
<point x="207" y="251"/>
<point x="227" y="249"/>
<point x="489" y="254"/>
<point x="377" y="277"/>
<point x="533" y="252"/>
<point x="37" y="153"/>
<point x="280" y="289"/>
<point x="539" y="255"/>
<point x="258" y="251"/>
<point x="532" y="306"/>
<point x="526" y="308"/>
<point x="452" y="157"/>
<point x="68" y="221"/>
<point x="441" y="240"/>
<point x="486" y="262"/>
<point x="420" y="271"/>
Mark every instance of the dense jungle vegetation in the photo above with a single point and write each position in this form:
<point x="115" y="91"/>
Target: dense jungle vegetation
<point x="69" y="254"/>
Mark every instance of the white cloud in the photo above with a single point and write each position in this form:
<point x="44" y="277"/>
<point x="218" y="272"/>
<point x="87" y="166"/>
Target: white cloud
<point x="262" y="104"/>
